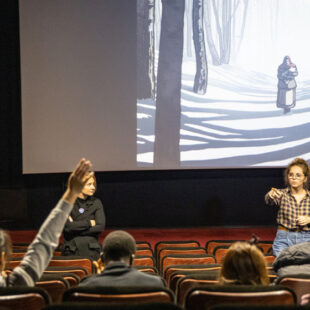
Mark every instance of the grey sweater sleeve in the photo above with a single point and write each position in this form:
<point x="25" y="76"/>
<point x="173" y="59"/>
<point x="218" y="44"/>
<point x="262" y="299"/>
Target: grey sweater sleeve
<point x="41" y="249"/>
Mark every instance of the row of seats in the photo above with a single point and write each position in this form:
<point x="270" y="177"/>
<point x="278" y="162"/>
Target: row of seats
<point x="197" y="298"/>
<point x="183" y="264"/>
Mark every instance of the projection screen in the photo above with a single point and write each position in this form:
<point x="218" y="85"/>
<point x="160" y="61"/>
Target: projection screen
<point x="153" y="84"/>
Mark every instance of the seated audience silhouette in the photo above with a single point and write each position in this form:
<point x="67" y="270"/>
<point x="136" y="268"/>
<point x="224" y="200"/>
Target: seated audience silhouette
<point x="41" y="249"/>
<point x="119" y="248"/>
<point x="244" y="264"/>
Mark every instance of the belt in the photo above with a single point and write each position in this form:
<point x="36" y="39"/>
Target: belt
<point x="289" y="229"/>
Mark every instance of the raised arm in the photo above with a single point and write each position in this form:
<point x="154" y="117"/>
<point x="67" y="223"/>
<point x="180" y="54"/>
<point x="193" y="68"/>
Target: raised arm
<point x="42" y="247"/>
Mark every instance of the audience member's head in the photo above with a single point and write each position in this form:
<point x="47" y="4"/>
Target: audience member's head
<point x="244" y="263"/>
<point x="5" y="249"/>
<point x="118" y="246"/>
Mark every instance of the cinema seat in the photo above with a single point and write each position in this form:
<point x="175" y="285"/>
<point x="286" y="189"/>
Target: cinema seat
<point x="211" y="274"/>
<point x="144" y="261"/>
<point x="171" y="251"/>
<point x="143" y="244"/>
<point x="199" y="267"/>
<point x="300" y="284"/>
<point x="80" y="272"/>
<point x="174" y="243"/>
<point x="113" y="306"/>
<point x="26" y="298"/>
<point x="54" y="284"/>
<point x="205" y="297"/>
<point x="185" y="284"/>
<point x="185" y="260"/>
<point x="118" y="295"/>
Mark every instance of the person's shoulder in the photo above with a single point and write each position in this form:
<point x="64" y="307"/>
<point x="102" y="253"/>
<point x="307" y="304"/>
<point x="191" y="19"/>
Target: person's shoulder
<point x="95" y="199"/>
<point x="89" y="280"/>
<point x="149" y="277"/>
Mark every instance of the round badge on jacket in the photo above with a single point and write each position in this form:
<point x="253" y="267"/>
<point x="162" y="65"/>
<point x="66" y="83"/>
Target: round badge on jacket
<point x="81" y="210"/>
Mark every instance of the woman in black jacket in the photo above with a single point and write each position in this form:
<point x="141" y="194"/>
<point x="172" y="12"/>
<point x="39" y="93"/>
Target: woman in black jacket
<point x="85" y="223"/>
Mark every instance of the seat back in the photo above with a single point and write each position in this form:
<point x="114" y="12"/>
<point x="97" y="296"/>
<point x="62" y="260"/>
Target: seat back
<point x="143" y="261"/>
<point x="210" y="274"/>
<point x="185" y="260"/>
<point x="147" y="269"/>
<point x="26" y="298"/>
<point x="143" y="251"/>
<point x="220" y="252"/>
<point x="59" y="261"/>
<point x="72" y="261"/>
<point x="300" y="284"/>
<point x="207" y="296"/>
<point x="199" y="267"/>
<point x="212" y="244"/>
<point x="171" y="251"/>
<point x="175" y="244"/>
<point x="266" y="246"/>
<point x="143" y="244"/>
<point x="184" y="285"/>
<point x="54" y="284"/>
<point x="80" y="272"/>
<point x="113" y="306"/>
<point x="269" y="258"/>
<point x="119" y="294"/>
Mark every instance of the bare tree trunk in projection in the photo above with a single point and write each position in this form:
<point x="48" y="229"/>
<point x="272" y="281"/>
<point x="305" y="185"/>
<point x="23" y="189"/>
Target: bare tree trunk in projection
<point x="168" y="105"/>
<point x="157" y="23"/>
<point x="226" y="31"/>
<point x="236" y="3"/>
<point x="189" y="28"/>
<point x="201" y="77"/>
<point x="216" y="11"/>
<point x="145" y="49"/>
<point x="209" y="35"/>
<point x="245" y="10"/>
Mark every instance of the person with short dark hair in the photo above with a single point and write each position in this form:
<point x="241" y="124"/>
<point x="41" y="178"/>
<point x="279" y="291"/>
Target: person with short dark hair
<point x="119" y="249"/>
<point x="41" y="249"/>
<point x="244" y="264"/>
<point x="294" y="206"/>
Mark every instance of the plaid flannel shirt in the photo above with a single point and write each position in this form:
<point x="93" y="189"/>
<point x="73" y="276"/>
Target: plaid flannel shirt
<point x="289" y="209"/>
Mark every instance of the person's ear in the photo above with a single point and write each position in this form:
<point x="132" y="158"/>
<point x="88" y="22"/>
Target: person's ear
<point x="131" y="258"/>
<point x="102" y="258"/>
<point x="305" y="182"/>
<point x="2" y="261"/>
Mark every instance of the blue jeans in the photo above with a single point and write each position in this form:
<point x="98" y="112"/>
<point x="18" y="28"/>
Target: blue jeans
<point x="284" y="239"/>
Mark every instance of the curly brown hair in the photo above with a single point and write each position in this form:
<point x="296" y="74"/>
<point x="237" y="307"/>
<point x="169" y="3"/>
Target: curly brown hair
<point x="304" y="167"/>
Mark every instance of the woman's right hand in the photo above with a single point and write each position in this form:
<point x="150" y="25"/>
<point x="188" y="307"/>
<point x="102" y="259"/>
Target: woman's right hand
<point x="275" y="194"/>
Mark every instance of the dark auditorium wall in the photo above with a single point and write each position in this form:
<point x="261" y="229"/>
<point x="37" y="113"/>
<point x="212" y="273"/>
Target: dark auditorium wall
<point x="183" y="198"/>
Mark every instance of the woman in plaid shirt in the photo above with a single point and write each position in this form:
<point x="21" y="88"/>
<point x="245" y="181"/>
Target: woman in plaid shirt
<point x="294" y="206"/>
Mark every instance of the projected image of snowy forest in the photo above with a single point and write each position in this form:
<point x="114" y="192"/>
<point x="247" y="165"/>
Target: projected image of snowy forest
<point x="209" y="75"/>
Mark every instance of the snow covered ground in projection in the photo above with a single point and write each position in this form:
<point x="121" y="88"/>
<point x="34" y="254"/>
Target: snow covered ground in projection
<point x="235" y="124"/>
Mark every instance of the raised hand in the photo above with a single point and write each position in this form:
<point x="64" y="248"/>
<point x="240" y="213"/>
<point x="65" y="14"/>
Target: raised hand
<point x="275" y="194"/>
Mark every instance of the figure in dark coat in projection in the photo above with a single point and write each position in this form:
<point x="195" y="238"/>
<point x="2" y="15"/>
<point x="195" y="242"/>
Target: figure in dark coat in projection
<point x="286" y="98"/>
